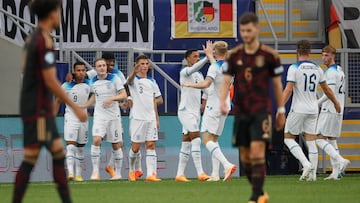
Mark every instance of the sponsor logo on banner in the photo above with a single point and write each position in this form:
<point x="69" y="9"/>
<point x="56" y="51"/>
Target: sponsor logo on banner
<point x="91" y="24"/>
<point x="203" y="16"/>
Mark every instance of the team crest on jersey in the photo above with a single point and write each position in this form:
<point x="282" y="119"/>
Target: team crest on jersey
<point x="260" y="61"/>
<point x="239" y="62"/>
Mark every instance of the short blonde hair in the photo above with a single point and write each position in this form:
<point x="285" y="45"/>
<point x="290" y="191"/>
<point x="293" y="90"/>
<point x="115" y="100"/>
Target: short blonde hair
<point x="221" y="47"/>
<point x="329" y="49"/>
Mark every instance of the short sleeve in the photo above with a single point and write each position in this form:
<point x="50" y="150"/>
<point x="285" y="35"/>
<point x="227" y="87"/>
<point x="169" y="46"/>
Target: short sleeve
<point x="46" y="53"/>
<point x="122" y="77"/>
<point x="212" y="71"/>
<point x="322" y="77"/>
<point x="330" y="77"/>
<point x="275" y="66"/>
<point x="205" y="94"/>
<point x="118" y="83"/>
<point x="229" y="67"/>
<point x="291" y="74"/>
<point x="157" y="92"/>
<point x="91" y="73"/>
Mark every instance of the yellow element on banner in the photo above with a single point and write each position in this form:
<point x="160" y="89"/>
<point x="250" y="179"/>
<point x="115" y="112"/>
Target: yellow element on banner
<point x="300" y="23"/>
<point x="304" y="34"/>
<point x="273" y="1"/>
<point x="296" y="11"/>
<point x="269" y="34"/>
<point x="273" y="23"/>
<point x="350" y="134"/>
<point x="349" y="157"/>
<point x="351" y="122"/>
<point x="272" y="11"/>
<point x="226" y="31"/>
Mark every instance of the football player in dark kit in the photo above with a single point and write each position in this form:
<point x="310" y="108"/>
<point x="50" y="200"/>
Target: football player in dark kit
<point x="36" y="104"/>
<point x="253" y="66"/>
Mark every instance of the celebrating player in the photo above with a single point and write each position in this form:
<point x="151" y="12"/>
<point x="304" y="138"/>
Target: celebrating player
<point x="329" y="122"/>
<point x="303" y="79"/>
<point x="144" y="119"/>
<point x="213" y="121"/>
<point x="253" y="66"/>
<point x="108" y="90"/>
<point x="75" y="132"/>
<point x="189" y="116"/>
<point x="36" y="103"/>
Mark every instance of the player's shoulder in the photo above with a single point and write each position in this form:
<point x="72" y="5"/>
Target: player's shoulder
<point x="68" y="85"/>
<point x="269" y="50"/>
<point x="48" y="41"/>
<point x="151" y="79"/>
<point x="236" y="50"/>
<point x="86" y="82"/>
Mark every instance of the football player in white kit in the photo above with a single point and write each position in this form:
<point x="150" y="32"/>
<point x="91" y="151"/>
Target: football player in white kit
<point x="108" y="89"/>
<point x="213" y="121"/>
<point x="75" y="131"/>
<point x="329" y="122"/>
<point x="303" y="79"/>
<point x="189" y="116"/>
<point x="144" y="119"/>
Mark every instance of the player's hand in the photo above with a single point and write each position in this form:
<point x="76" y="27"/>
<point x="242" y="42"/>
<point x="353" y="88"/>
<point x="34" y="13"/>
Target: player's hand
<point x="209" y="48"/>
<point x="280" y="121"/>
<point x="224" y="108"/>
<point x="68" y="77"/>
<point x="80" y="113"/>
<point x="130" y="103"/>
<point x="124" y="105"/>
<point x="137" y="68"/>
<point x="107" y="103"/>
<point x="337" y="107"/>
<point x="186" y="84"/>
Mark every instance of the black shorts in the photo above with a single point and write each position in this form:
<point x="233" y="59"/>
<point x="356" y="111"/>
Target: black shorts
<point x="40" y="132"/>
<point x="248" y="128"/>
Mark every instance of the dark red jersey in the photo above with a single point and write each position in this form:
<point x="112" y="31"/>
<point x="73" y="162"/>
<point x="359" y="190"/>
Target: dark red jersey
<point x="36" y="99"/>
<point x="252" y="74"/>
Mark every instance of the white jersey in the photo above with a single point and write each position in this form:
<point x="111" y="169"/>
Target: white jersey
<point x="307" y="76"/>
<point x="79" y="94"/>
<point x="103" y="89"/>
<point x="215" y="72"/>
<point x="143" y="91"/>
<point x="92" y="73"/>
<point x="191" y="97"/>
<point x="335" y="78"/>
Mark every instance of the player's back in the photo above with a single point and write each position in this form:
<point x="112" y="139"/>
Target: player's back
<point x="78" y="93"/>
<point x="36" y="98"/>
<point x="143" y="91"/>
<point x="190" y="97"/>
<point x="307" y="76"/>
<point x="335" y="78"/>
<point x="103" y="89"/>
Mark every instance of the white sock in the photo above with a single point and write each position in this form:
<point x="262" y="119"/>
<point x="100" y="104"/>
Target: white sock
<point x="118" y="160"/>
<point x="215" y="165"/>
<point x="79" y="160"/>
<point x="215" y="151"/>
<point x="334" y="163"/>
<point x="183" y="157"/>
<point x="111" y="159"/>
<point x="313" y="155"/>
<point x="196" y="155"/>
<point x="132" y="159"/>
<point x="151" y="160"/>
<point x="296" y="151"/>
<point x="95" y="158"/>
<point x="329" y="149"/>
<point x="138" y="162"/>
<point x="70" y="157"/>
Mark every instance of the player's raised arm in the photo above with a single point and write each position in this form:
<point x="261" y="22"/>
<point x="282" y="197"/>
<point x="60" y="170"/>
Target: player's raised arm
<point x="131" y="77"/>
<point x="53" y="84"/>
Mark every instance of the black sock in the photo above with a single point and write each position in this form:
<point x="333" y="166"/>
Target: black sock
<point x="22" y="181"/>
<point x="61" y="181"/>
<point x="257" y="180"/>
<point x="247" y="169"/>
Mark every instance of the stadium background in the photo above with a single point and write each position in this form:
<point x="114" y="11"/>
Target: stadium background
<point x="167" y="54"/>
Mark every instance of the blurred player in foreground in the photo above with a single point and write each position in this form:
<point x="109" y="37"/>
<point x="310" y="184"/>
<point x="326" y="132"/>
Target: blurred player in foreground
<point x="108" y="91"/>
<point x="329" y="122"/>
<point x="36" y="103"/>
<point x="189" y="116"/>
<point x="213" y="121"/>
<point x="302" y="80"/>
<point x="144" y="119"/>
<point x="75" y="131"/>
<point x="253" y="66"/>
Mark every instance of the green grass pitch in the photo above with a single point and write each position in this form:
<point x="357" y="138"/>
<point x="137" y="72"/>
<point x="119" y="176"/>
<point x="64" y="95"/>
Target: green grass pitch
<point x="280" y="188"/>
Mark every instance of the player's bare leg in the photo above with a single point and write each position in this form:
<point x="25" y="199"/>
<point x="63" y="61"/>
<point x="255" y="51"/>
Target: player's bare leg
<point x="95" y="157"/>
<point x="297" y="152"/>
<point x="151" y="162"/>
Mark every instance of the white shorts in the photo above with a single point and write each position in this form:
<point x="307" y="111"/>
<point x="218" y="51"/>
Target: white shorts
<point x="213" y="122"/>
<point x="329" y="124"/>
<point x="190" y="121"/>
<point x="76" y="131"/>
<point x="110" y="130"/>
<point x="297" y="123"/>
<point x="141" y="131"/>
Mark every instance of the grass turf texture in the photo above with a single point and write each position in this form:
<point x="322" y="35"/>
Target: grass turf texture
<point x="280" y="189"/>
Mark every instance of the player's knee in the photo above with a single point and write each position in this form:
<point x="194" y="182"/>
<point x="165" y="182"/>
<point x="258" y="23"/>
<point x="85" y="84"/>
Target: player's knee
<point x="30" y="159"/>
<point x="116" y="146"/>
<point x="97" y="140"/>
<point x="135" y="147"/>
<point x="150" y="145"/>
<point x="57" y="155"/>
<point x="71" y="142"/>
